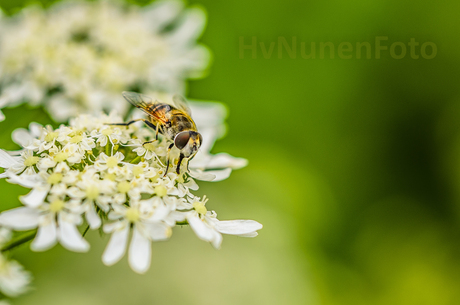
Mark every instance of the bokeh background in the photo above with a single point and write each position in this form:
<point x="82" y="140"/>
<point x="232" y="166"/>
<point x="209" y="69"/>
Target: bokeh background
<point x="354" y="169"/>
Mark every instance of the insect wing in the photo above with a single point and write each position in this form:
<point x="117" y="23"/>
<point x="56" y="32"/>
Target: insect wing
<point x="140" y="101"/>
<point x="181" y="103"/>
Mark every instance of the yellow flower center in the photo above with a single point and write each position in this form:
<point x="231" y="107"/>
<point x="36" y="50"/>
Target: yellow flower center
<point x="31" y="161"/>
<point x="160" y="190"/>
<point x="76" y="139"/>
<point x="51" y="136"/>
<point x="54" y="178"/>
<point x="200" y="208"/>
<point x="149" y="146"/>
<point x="92" y="192"/>
<point x="132" y="214"/>
<point x="123" y="187"/>
<point x="107" y="132"/>
<point x="112" y="162"/>
<point x="59" y="157"/>
<point x="138" y="170"/>
<point x="110" y="177"/>
<point x="56" y="205"/>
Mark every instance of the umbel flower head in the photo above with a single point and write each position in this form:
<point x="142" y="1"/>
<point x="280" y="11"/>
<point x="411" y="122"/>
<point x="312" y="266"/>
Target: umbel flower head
<point x="77" y="56"/>
<point x="102" y="175"/>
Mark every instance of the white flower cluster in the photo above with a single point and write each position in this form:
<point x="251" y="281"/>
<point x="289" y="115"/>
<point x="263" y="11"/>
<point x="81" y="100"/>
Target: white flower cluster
<point x="14" y="280"/>
<point x="77" y="56"/>
<point x="101" y="174"/>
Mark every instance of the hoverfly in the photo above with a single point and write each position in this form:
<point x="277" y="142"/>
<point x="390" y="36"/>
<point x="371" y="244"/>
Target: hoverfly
<point x="173" y="122"/>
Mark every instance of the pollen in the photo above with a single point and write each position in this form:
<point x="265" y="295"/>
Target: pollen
<point x="60" y="157"/>
<point x="149" y="146"/>
<point x="200" y="208"/>
<point x="107" y="131"/>
<point x="56" y="206"/>
<point x="111" y="177"/>
<point x="123" y="187"/>
<point x="92" y="192"/>
<point x="54" y="178"/>
<point x="31" y="161"/>
<point x="76" y="139"/>
<point x="112" y="162"/>
<point x="132" y="214"/>
<point x="138" y="170"/>
<point x="51" y="136"/>
<point x="160" y="190"/>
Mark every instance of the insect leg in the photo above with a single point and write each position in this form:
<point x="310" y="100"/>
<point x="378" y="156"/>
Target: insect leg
<point x="167" y="159"/>
<point x="157" y="129"/>
<point x="181" y="157"/>
<point x="133" y="121"/>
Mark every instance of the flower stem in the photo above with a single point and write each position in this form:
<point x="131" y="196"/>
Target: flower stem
<point x="136" y="159"/>
<point x="86" y="230"/>
<point x="19" y="240"/>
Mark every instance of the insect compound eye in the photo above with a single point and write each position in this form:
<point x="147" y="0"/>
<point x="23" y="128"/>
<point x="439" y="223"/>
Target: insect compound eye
<point x="181" y="139"/>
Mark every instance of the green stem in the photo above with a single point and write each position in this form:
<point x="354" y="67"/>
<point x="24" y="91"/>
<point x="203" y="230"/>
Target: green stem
<point x="86" y="230"/>
<point x="136" y="159"/>
<point x="19" y="240"/>
<point x="107" y="148"/>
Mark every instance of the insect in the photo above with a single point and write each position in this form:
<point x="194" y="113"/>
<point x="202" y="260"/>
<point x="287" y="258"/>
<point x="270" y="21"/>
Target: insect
<point x="173" y="122"/>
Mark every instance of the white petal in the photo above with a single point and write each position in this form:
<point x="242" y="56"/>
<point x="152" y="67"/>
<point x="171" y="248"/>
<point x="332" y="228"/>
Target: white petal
<point x="35" y="197"/>
<point x="6" y="161"/>
<point x="35" y="129"/>
<point x="217" y="240"/>
<point x="28" y="181"/>
<point x="238" y="227"/>
<point x="191" y="184"/>
<point x="200" y="228"/>
<point x="22" y="218"/>
<point x="189" y="28"/>
<point x="22" y="137"/>
<point x="92" y="217"/>
<point x="162" y="12"/>
<point x="139" y="252"/>
<point x="224" y="160"/>
<point x="161" y="212"/>
<point x="70" y="238"/>
<point x="116" y="247"/>
<point x="3" y="175"/>
<point x="220" y="174"/>
<point x="158" y="231"/>
<point x="200" y="175"/>
<point x="46" y="237"/>
<point x="252" y="234"/>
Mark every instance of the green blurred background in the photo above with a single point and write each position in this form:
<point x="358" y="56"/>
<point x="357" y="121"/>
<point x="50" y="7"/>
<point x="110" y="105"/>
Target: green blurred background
<point x="354" y="169"/>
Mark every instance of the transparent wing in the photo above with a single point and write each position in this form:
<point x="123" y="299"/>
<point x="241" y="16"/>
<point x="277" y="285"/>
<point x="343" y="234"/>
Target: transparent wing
<point x="139" y="100"/>
<point x="181" y="103"/>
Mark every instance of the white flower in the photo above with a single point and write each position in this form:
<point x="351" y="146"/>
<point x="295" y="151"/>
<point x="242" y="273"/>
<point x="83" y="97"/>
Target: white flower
<point x="208" y="228"/>
<point x="77" y="55"/>
<point x="77" y="172"/>
<point x="147" y="221"/>
<point x="14" y="280"/>
<point x="56" y="221"/>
